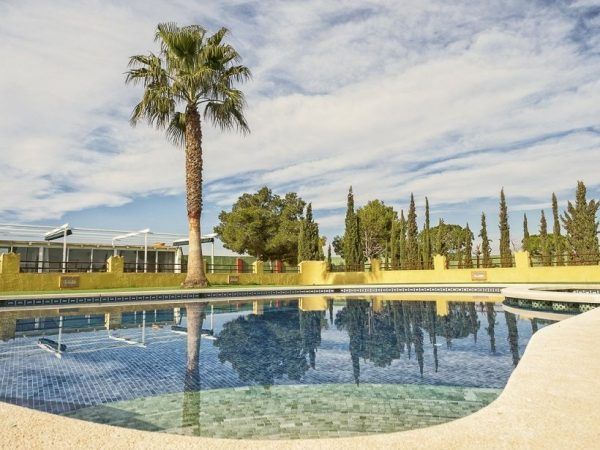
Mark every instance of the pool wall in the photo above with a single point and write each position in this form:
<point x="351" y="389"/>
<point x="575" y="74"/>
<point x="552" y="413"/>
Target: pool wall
<point x="551" y="401"/>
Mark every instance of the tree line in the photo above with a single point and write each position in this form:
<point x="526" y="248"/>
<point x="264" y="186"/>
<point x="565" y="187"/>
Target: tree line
<point x="271" y="227"/>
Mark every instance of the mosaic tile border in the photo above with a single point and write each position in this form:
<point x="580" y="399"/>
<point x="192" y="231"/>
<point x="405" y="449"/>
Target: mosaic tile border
<point x="235" y="294"/>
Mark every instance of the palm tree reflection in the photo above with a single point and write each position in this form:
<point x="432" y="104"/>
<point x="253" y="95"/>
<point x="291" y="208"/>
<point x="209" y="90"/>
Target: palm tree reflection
<point x="191" y="387"/>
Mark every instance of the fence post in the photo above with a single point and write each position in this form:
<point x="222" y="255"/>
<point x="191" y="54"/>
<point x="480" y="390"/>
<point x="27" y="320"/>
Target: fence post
<point x="258" y="267"/>
<point x="239" y="265"/>
<point x="313" y="272"/>
<point x="278" y="266"/>
<point x="439" y="262"/>
<point x="10" y="263"/>
<point x="522" y="260"/>
<point x="115" y="264"/>
<point x="375" y="265"/>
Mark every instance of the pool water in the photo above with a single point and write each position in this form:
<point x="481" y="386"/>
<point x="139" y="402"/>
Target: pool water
<point x="264" y="369"/>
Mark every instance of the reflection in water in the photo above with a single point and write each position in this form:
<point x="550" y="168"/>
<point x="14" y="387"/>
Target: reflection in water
<point x="513" y="336"/>
<point x="330" y="308"/>
<point x="263" y="347"/>
<point x="310" y="329"/>
<point x="262" y="343"/>
<point x="491" y="319"/>
<point x="191" y="387"/>
<point x="534" y="325"/>
<point x="474" y="320"/>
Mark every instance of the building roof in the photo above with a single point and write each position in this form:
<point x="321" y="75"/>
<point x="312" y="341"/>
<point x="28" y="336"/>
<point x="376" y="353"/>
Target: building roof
<point x="97" y="237"/>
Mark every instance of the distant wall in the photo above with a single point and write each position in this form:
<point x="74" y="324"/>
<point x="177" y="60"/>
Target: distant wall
<point x="315" y="273"/>
<point x="12" y="280"/>
<point x="311" y="273"/>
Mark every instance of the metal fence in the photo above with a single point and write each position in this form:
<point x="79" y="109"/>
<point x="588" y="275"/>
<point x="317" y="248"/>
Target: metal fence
<point x="567" y="259"/>
<point x="479" y="263"/>
<point x="141" y="267"/>
<point x="58" y="266"/>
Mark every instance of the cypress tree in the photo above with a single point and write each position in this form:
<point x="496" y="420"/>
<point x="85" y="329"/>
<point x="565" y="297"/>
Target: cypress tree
<point x="320" y="243"/>
<point x="486" y="250"/>
<point x="412" y="244"/>
<point x="439" y="244"/>
<point x="309" y="242"/>
<point x="460" y="241"/>
<point x="427" y="261"/>
<point x="557" y="238"/>
<point x="468" y="248"/>
<point x="545" y="248"/>
<point x="402" y="241"/>
<point x="524" y="242"/>
<point x="358" y="242"/>
<point x="352" y="251"/>
<point x="394" y="245"/>
<point x="581" y="227"/>
<point x="505" y="254"/>
<point x="302" y="249"/>
<point x="329" y="262"/>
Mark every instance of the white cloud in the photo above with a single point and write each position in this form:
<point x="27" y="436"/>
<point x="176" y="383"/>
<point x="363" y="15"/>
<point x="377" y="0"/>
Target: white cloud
<point x="452" y="101"/>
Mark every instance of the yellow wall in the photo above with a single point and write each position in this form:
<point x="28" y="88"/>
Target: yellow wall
<point x="12" y="280"/>
<point x="311" y="273"/>
<point x="315" y="273"/>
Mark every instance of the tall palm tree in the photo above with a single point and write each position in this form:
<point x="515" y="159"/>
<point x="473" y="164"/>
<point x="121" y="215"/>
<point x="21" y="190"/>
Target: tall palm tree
<point x="191" y="72"/>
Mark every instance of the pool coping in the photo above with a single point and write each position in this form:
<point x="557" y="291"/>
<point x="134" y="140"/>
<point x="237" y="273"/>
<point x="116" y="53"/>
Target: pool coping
<point x="531" y="412"/>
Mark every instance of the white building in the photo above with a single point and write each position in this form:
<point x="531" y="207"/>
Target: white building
<point x="70" y="249"/>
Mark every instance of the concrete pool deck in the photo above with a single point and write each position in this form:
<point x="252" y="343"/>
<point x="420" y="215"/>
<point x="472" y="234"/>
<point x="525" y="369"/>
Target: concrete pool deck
<point x="552" y="400"/>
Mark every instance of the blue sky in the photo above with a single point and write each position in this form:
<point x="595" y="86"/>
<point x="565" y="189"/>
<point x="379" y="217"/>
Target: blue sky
<point x="450" y="100"/>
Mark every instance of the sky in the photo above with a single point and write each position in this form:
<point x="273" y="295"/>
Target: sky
<point x="449" y="100"/>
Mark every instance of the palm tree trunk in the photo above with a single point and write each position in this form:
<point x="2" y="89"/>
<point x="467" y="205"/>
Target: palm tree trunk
<point x="196" y="277"/>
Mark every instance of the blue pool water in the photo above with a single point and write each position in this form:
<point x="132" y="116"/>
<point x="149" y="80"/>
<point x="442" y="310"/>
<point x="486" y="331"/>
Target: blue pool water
<point x="384" y="355"/>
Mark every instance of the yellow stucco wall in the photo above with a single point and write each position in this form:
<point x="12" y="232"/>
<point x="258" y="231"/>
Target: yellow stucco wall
<point x="12" y="280"/>
<point x="315" y="273"/>
<point x="311" y="273"/>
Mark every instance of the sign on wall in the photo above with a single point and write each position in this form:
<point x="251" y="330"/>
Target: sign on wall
<point x="68" y="281"/>
<point x="478" y="275"/>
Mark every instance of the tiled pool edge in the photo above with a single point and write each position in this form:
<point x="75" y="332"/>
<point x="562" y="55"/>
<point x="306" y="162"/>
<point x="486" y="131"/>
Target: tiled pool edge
<point x="75" y="299"/>
<point x="551" y="401"/>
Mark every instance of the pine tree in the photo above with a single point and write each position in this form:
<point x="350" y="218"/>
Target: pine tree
<point x="524" y="242"/>
<point x="505" y="253"/>
<point x="486" y="250"/>
<point x="581" y="227"/>
<point x="402" y="241"/>
<point x="352" y="250"/>
<point x="468" y="248"/>
<point x="427" y="261"/>
<point x="544" y="241"/>
<point x="559" y="257"/>
<point x="412" y="244"/>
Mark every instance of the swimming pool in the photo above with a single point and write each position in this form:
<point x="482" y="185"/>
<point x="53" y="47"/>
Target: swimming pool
<point x="312" y="367"/>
